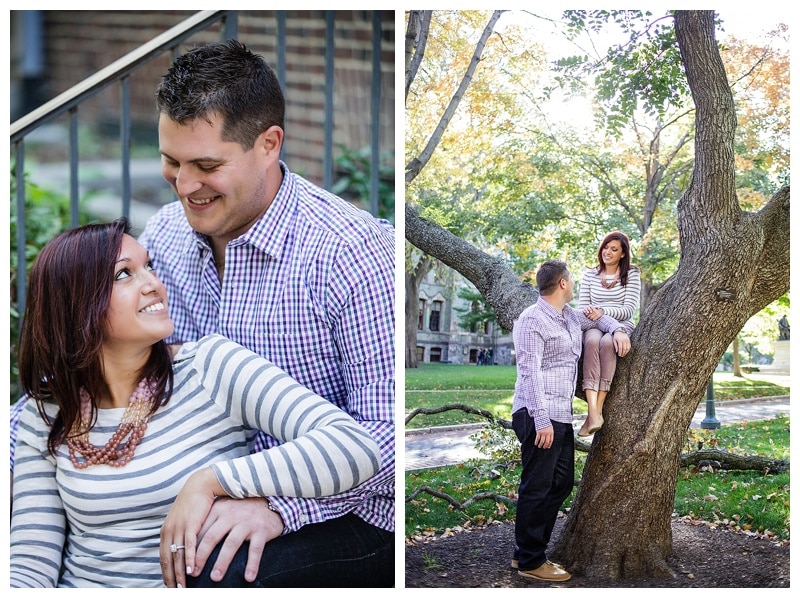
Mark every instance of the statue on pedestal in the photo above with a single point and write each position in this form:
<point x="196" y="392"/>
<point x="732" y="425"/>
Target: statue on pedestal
<point x="783" y="329"/>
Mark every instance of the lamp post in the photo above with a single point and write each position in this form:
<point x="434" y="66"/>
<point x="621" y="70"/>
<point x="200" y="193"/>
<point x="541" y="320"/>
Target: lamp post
<point x="710" y="422"/>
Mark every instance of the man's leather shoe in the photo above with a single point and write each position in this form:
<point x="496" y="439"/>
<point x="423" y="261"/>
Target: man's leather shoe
<point x="547" y="571"/>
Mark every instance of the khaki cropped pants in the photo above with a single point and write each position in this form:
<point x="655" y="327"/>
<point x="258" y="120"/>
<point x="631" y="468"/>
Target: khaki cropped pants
<point x="599" y="359"/>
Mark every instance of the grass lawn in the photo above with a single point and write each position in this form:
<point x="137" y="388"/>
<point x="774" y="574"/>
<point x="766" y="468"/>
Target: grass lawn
<point x="491" y="388"/>
<point x="744" y="500"/>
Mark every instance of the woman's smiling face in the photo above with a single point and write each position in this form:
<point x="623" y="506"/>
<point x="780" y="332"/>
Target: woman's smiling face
<point x="612" y="253"/>
<point x="137" y="310"/>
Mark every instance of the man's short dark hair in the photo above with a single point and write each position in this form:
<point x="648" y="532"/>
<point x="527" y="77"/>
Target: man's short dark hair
<point x="549" y="275"/>
<point x="223" y="79"/>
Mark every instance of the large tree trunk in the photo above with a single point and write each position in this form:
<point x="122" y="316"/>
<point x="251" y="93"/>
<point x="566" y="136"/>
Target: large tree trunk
<point x="413" y="280"/>
<point x="732" y="265"/>
<point x="737" y="366"/>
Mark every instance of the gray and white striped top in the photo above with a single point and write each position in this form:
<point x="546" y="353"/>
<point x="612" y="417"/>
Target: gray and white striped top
<point x="619" y="302"/>
<point x="100" y="526"/>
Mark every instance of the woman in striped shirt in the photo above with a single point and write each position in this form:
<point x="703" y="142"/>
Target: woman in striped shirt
<point x="611" y="288"/>
<point x="124" y="448"/>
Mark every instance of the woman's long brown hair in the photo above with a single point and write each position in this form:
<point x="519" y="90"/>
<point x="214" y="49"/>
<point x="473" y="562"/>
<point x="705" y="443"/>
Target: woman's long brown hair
<point x="61" y="337"/>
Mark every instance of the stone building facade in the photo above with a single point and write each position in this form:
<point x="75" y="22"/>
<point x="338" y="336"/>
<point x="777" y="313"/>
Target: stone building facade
<point x="441" y="338"/>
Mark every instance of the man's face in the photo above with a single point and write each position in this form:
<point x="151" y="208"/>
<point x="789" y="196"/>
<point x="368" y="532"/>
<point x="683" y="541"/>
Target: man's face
<point x="223" y="188"/>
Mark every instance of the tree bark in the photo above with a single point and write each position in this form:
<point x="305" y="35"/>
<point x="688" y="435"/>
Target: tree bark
<point x="732" y="265"/>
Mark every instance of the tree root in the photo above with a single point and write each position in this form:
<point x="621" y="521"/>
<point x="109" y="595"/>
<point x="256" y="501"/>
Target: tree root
<point x="718" y="459"/>
<point x="466" y="408"/>
<point x="461" y="505"/>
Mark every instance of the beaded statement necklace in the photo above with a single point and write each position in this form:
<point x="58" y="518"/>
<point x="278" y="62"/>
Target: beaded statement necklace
<point x="609" y="281"/>
<point x="115" y="452"/>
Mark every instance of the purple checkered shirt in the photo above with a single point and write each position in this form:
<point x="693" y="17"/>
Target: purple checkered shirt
<point x="311" y="288"/>
<point x="548" y="345"/>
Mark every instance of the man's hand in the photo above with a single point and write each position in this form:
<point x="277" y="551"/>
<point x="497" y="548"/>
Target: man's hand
<point x="544" y="437"/>
<point x="241" y="520"/>
<point x="622" y="343"/>
<point x="184" y="519"/>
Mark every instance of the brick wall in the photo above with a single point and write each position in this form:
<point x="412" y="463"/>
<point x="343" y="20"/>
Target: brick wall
<point x="79" y="43"/>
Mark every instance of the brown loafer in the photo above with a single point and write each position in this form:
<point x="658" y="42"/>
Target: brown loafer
<point x="515" y="564"/>
<point x="547" y="571"/>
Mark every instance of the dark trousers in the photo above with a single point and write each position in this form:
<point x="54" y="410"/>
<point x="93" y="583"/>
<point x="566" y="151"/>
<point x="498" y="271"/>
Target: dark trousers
<point x="345" y="552"/>
<point x="546" y="481"/>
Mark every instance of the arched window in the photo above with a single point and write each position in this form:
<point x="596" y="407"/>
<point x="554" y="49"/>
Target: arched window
<point x="435" y="320"/>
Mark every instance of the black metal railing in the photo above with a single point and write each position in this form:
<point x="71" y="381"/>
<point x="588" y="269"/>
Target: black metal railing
<point x="70" y="101"/>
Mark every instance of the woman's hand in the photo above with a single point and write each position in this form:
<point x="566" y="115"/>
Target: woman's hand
<point x="183" y="523"/>
<point x="593" y="312"/>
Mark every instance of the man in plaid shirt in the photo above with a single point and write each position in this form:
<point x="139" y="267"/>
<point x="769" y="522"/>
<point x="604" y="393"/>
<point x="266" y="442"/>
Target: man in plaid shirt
<point x="548" y="339"/>
<point x="262" y="256"/>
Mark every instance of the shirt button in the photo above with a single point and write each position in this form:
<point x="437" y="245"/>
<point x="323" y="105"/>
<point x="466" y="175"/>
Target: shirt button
<point x="303" y="518"/>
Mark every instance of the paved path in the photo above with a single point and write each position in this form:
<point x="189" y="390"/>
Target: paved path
<point x="435" y="447"/>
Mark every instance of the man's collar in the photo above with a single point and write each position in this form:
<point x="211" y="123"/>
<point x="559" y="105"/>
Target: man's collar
<point x="550" y="308"/>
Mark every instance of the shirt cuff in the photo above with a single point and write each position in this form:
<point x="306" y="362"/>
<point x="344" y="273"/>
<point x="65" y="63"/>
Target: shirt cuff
<point x="541" y="419"/>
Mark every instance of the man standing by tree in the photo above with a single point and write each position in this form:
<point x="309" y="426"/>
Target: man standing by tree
<point x="547" y="340"/>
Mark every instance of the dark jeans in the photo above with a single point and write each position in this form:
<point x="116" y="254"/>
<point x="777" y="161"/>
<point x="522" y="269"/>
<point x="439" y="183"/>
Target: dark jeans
<point x="345" y="552"/>
<point x="546" y="481"/>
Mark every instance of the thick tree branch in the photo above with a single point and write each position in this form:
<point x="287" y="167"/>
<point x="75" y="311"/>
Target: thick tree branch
<point x="774" y="257"/>
<point x="731" y="461"/>
<point x="460" y="406"/>
<point x="499" y="285"/>
<point x="711" y="197"/>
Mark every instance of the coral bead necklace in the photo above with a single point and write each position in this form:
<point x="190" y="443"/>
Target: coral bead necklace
<point x="116" y="452"/>
<point x="609" y="281"/>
